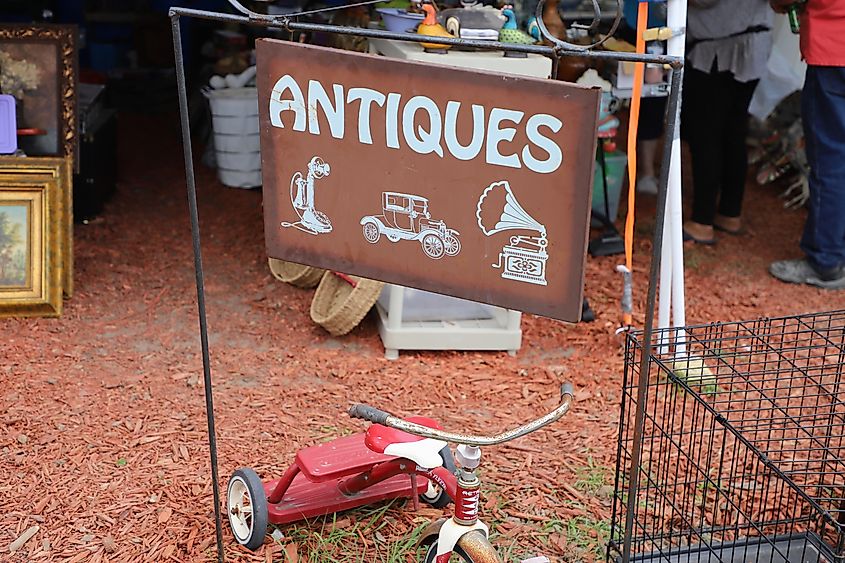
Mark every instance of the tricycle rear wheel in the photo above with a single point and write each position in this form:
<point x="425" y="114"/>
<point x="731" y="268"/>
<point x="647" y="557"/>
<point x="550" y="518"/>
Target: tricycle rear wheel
<point x="246" y="506"/>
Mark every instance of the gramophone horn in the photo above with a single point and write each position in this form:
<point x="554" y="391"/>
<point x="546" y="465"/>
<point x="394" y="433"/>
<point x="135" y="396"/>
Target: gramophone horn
<point x="512" y="215"/>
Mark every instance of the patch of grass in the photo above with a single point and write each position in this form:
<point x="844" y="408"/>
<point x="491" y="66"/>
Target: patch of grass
<point x="692" y="259"/>
<point x="590" y="478"/>
<point x="587" y="535"/>
<point x="388" y="539"/>
<point x="322" y="541"/>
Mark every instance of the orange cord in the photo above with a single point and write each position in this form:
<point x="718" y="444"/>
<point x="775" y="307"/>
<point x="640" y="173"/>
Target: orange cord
<point x="633" y="125"/>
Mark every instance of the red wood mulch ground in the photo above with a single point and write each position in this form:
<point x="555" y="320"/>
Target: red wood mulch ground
<point x="103" y="442"/>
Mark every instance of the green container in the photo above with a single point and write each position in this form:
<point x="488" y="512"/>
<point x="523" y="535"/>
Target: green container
<point x="616" y="163"/>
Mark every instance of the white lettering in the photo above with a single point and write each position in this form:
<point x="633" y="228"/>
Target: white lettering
<point x="367" y="97"/>
<point x="495" y="135"/>
<point x="541" y="153"/>
<point x="532" y="130"/>
<point x="334" y="115"/>
<point x="450" y="133"/>
<point x="423" y="142"/>
<point x="391" y="120"/>
<point x="278" y="105"/>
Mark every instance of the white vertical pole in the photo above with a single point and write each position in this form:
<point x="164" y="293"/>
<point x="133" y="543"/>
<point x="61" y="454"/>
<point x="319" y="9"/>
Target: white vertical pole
<point x="664" y="303"/>
<point x="672" y="269"/>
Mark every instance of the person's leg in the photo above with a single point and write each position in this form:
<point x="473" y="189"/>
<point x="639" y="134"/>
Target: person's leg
<point x="734" y="152"/>
<point x="652" y="115"/>
<point x="823" y="240"/>
<point x="824" y="232"/>
<point x="703" y="120"/>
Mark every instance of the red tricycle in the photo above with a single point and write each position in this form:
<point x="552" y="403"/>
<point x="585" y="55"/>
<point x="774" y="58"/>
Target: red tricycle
<point x="384" y="462"/>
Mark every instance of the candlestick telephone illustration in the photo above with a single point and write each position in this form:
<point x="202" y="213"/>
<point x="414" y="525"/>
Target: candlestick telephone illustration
<point x="311" y="220"/>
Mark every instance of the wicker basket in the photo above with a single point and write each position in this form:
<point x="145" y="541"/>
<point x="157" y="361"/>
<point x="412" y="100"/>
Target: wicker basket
<point x="338" y="306"/>
<point x="295" y="274"/>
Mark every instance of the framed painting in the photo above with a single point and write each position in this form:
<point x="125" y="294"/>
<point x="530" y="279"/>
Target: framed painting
<point x="60" y="169"/>
<point x="30" y="246"/>
<point x="38" y="66"/>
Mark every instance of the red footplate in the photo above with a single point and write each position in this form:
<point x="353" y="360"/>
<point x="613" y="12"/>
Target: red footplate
<point x="338" y="458"/>
<point x="306" y="499"/>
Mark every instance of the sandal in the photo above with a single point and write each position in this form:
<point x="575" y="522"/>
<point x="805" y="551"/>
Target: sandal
<point x="706" y="242"/>
<point x="738" y="231"/>
<point x="691" y="227"/>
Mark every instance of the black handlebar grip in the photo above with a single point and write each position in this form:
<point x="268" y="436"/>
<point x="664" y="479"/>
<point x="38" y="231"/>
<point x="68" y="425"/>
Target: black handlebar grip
<point x="566" y="389"/>
<point x="368" y="413"/>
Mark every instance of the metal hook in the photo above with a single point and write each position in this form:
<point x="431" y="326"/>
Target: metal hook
<point x="561" y="45"/>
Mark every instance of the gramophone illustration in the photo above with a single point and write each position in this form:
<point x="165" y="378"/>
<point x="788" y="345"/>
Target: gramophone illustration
<point x="302" y="197"/>
<point x="524" y="259"/>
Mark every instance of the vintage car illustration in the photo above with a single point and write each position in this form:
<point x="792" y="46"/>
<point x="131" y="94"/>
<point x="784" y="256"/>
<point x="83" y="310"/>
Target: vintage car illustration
<point x="406" y="217"/>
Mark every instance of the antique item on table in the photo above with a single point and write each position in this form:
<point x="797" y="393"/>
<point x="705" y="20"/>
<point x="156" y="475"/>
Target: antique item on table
<point x="8" y="125"/>
<point x="31" y="236"/>
<point x="472" y="21"/>
<point x="60" y="170"/>
<point x="608" y="122"/>
<point x="355" y="16"/>
<point x="551" y="17"/>
<point x="399" y="20"/>
<point x="38" y="67"/>
<point x="429" y="26"/>
<point x="534" y="29"/>
<point x="510" y="33"/>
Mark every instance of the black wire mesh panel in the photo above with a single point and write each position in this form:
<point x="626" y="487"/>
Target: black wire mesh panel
<point x="743" y="457"/>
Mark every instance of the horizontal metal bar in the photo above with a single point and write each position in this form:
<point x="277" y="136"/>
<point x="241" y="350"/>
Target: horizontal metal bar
<point x="283" y="22"/>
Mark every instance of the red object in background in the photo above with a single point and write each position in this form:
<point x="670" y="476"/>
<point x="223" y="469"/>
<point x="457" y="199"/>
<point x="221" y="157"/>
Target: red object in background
<point x="91" y="76"/>
<point x="822" y="37"/>
<point x="31" y="132"/>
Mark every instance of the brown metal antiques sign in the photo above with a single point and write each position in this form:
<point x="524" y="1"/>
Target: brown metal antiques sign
<point x="460" y="182"/>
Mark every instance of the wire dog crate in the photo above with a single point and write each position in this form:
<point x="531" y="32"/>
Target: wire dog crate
<point x="742" y="454"/>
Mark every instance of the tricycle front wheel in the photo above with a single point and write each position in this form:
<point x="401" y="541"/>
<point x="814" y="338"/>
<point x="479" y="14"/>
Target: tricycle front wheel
<point x="457" y="555"/>
<point x="246" y="505"/>
<point x="478" y="550"/>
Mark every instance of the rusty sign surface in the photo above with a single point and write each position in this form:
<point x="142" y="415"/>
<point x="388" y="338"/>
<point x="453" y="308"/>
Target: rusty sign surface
<point x="460" y="182"/>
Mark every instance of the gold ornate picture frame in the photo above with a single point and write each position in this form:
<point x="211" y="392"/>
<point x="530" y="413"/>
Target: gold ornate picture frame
<point x="30" y="246"/>
<point x="38" y="65"/>
<point x="60" y="169"/>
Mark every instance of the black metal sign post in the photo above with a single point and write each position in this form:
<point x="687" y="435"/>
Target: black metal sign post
<point x="555" y="52"/>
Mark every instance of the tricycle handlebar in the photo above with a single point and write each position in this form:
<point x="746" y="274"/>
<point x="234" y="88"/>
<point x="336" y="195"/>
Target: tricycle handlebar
<point x="381" y="417"/>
